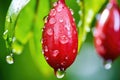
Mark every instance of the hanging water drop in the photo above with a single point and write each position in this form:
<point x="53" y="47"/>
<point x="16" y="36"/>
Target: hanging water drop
<point x="9" y="59"/>
<point x="59" y="74"/>
<point x="108" y="64"/>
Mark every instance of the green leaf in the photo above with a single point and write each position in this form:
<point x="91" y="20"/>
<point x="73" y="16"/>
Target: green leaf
<point x="11" y="18"/>
<point x="88" y="11"/>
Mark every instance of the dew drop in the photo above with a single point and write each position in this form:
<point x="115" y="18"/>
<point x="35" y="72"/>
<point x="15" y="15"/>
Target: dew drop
<point x="87" y="28"/>
<point x="46" y="49"/>
<point x="80" y="12"/>
<point x="59" y="74"/>
<point x="5" y="34"/>
<point x="50" y="31"/>
<point x="60" y="7"/>
<point x="61" y="20"/>
<point x="74" y="50"/>
<point x="52" y="20"/>
<point x="67" y="26"/>
<point x="63" y="63"/>
<point x="8" y="19"/>
<point x="46" y="58"/>
<point x="53" y="12"/>
<point x="9" y="59"/>
<point x="63" y="39"/>
<point x="108" y="64"/>
<point x="71" y="11"/>
<point x="41" y="41"/>
<point x="55" y="53"/>
<point x="45" y="19"/>
<point x="55" y="4"/>
<point x="98" y="41"/>
<point x="66" y="58"/>
<point x="78" y="1"/>
<point x="17" y="46"/>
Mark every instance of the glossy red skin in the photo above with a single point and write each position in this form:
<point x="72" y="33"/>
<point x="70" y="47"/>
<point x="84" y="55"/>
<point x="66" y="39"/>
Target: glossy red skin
<point x="107" y="33"/>
<point x="66" y="52"/>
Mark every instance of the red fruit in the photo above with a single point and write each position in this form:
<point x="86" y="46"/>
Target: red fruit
<point x="107" y="33"/>
<point x="60" y="38"/>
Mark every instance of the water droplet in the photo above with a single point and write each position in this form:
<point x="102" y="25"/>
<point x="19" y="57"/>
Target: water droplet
<point x="59" y="74"/>
<point x="80" y="12"/>
<point x="98" y="41"/>
<point x="14" y="38"/>
<point x="80" y="23"/>
<point x="108" y="64"/>
<point x="46" y="58"/>
<point x="78" y="1"/>
<point x="63" y="63"/>
<point x="5" y="34"/>
<point x="60" y="7"/>
<point x="87" y="28"/>
<point x="52" y="20"/>
<point x="74" y="50"/>
<point x="61" y="20"/>
<point x="17" y="47"/>
<point x="55" y="4"/>
<point x="63" y="39"/>
<point x="8" y="19"/>
<point x="45" y="19"/>
<point x="55" y="53"/>
<point x="41" y="41"/>
<point x="50" y="31"/>
<point x="46" y="49"/>
<point x="66" y="58"/>
<point x="42" y="52"/>
<point x="67" y="26"/>
<point x="53" y="12"/>
<point x="71" y="11"/>
<point x="10" y="59"/>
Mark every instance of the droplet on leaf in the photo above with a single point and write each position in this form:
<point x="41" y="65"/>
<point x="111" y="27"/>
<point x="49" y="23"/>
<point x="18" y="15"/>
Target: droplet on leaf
<point x="5" y="34"/>
<point x="17" y="47"/>
<point x="10" y="59"/>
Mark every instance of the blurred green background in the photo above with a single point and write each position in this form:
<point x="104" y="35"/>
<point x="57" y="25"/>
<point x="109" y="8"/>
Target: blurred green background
<point x="31" y="65"/>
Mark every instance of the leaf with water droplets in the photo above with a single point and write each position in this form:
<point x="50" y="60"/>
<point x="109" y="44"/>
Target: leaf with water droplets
<point x="13" y="12"/>
<point x="87" y="13"/>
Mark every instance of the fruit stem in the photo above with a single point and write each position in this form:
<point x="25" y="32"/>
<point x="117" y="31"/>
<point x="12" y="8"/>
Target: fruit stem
<point x="113" y="1"/>
<point x="63" y="1"/>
